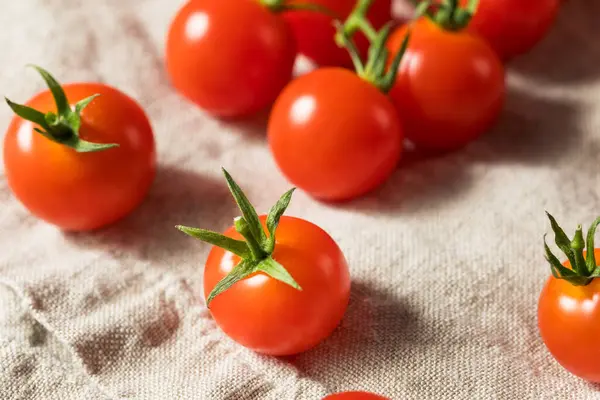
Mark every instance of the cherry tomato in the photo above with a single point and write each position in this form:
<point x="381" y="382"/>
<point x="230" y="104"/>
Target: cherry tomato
<point x="270" y="317"/>
<point x="355" y="396"/>
<point x="513" y="27"/>
<point x="230" y="57"/>
<point x="450" y="86"/>
<point x="83" y="191"/>
<point x="334" y="135"/>
<point x="314" y="31"/>
<point x="569" y="323"/>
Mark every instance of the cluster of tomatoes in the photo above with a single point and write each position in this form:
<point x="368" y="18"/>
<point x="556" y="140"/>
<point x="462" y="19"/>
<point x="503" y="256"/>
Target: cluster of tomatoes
<point x="336" y="133"/>
<point x="82" y="156"/>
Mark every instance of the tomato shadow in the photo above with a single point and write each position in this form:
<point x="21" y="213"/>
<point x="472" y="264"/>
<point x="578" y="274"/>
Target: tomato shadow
<point x="378" y="329"/>
<point x="532" y="131"/>
<point x="571" y="51"/>
<point x="178" y="196"/>
<point x="422" y="182"/>
<point x="252" y="128"/>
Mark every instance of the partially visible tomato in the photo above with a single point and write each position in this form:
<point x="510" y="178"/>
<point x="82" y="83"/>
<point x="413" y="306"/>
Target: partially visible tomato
<point x="82" y="191"/>
<point x="334" y="135"/>
<point x="569" y="305"/>
<point x="569" y="323"/>
<point x="450" y="87"/>
<point x="355" y="396"/>
<point x="513" y="27"/>
<point x="230" y="57"/>
<point x="315" y="32"/>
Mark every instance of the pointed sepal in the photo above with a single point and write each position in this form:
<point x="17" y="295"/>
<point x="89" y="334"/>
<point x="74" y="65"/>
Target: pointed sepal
<point x="63" y="126"/>
<point x="583" y="269"/>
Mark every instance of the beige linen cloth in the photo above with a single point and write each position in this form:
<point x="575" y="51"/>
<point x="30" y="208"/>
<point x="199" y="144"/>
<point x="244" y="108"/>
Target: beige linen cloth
<point x="446" y="259"/>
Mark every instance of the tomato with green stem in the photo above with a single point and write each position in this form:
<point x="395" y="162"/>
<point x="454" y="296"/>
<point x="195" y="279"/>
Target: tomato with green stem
<point x="334" y="133"/>
<point x="314" y="32"/>
<point x="513" y="27"/>
<point x="569" y="305"/>
<point x="276" y="284"/>
<point x="79" y="156"/>
<point x="230" y="57"/>
<point x="355" y="396"/>
<point x="451" y="84"/>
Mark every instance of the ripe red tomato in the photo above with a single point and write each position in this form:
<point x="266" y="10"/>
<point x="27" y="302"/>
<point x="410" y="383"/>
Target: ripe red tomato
<point x="270" y="317"/>
<point x="355" y="396"/>
<point x="450" y="86"/>
<point x="334" y="135"/>
<point x="83" y="191"/>
<point x="569" y="323"/>
<point x="230" y="57"/>
<point x="314" y="32"/>
<point x="513" y="27"/>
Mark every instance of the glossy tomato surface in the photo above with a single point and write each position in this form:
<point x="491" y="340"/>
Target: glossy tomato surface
<point x="334" y="135"/>
<point x="269" y="316"/>
<point x="314" y="32"/>
<point x="513" y="27"/>
<point x="569" y="323"/>
<point x="83" y="191"/>
<point x="450" y="87"/>
<point x="355" y="396"/>
<point x="230" y="57"/>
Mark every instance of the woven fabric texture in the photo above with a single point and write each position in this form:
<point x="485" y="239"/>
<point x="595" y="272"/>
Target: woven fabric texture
<point x="446" y="259"/>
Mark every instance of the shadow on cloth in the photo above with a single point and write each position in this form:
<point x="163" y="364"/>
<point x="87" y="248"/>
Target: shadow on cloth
<point x="571" y="51"/>
<point x="531" y="130"/>
<point x="377" y="327"/>
<point x="177" y="197"/>
<point x="252" y="128"/>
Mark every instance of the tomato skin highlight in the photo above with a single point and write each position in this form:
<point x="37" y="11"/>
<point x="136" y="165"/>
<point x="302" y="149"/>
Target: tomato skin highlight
<point x="270" y="317"/>
<point x="230" y="57"/>
<point x="569" y="323"/>
<point x="450" y="87"/>
<point x="513" y="27"/>
<point x="334" y="135"/>
<point x="83" y="191"/>
<point x="314" y="32"/>
<point x="355" y="396"/>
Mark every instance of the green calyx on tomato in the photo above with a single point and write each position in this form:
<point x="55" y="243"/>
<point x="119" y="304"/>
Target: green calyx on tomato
<point x="255" y="252"/>
<point x="584" y="269"/>
<point x="449" y="14"/>
<point x="285" y="5"/>
<point x="63" y="126"/>
<point x="376" y="70"/>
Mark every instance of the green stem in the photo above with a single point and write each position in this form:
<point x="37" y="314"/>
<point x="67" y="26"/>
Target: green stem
<point x="451" y="16"/>
<point x="582" y="271"/>
<point x="242" y="227"/>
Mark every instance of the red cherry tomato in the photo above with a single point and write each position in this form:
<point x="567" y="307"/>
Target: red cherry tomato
<point x="513" y="27"/>
<point x="334" y="135"/>
<point x="450" y="86"/>
<point x="569" y="323"/>
<point x="270" y="317"/>
<point x="355" y="396"/>
<point x="83" y="191"/>
<point x="315" y="32"/>
<point x="230" y="57"/>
